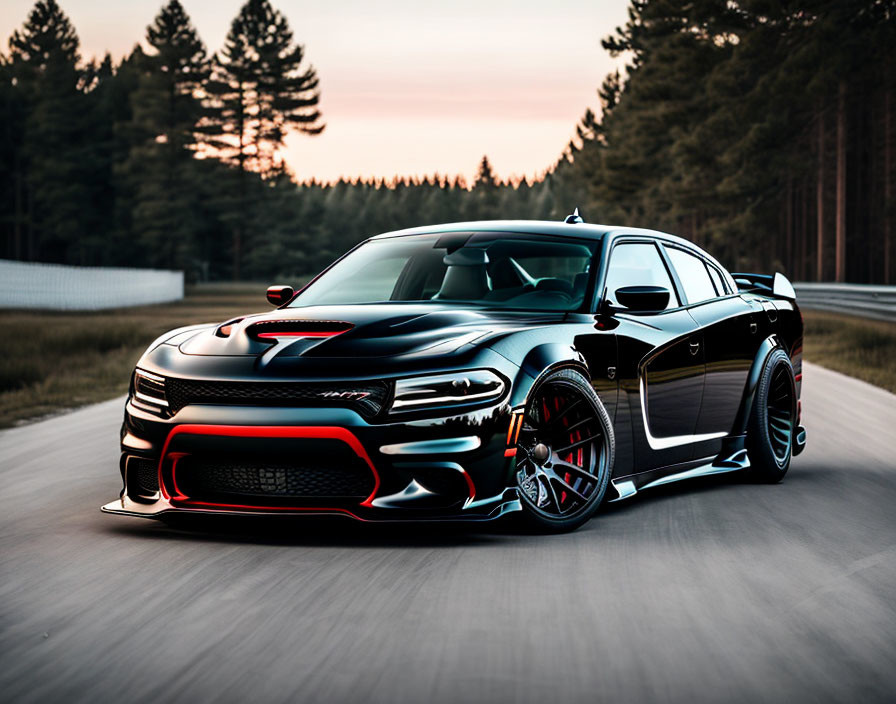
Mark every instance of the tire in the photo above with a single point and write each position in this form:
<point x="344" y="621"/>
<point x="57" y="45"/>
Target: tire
<point x="772" y="420"/>
<point x="565" y="453"/>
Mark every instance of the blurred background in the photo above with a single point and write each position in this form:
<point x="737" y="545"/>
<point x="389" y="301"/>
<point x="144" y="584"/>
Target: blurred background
<point x="256" y="141"/>
<point x="234" y="141"/>
<point x="162" y="162"/>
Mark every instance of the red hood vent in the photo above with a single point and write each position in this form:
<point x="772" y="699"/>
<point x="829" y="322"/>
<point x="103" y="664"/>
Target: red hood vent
<point x="274" y="329"/>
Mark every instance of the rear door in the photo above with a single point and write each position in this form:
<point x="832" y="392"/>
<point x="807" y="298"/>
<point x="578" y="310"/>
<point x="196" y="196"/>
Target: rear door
<point x="730" y="340"/>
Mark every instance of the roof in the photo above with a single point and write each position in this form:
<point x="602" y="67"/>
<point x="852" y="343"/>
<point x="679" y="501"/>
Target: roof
<point x="548" y="227"/>
<point x="540" y="227"/>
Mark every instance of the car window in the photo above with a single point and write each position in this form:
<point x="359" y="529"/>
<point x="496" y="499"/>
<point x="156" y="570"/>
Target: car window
<point x="494" y="270"/>
<point x="693" y="275"/>
<point x="375" y="284"/>
<point x="638" y="264"/>
<point x="716" y="277"/>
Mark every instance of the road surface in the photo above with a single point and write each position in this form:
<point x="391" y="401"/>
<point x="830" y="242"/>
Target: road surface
<point x="714" y="590"/>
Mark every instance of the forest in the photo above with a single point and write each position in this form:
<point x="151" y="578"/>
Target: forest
<point x="760" y="130"/>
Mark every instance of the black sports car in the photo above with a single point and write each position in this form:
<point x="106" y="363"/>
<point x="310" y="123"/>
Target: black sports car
<point x="470" y="370"/>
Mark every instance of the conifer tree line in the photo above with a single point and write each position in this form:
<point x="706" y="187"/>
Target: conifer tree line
<point x="763" y="131"/>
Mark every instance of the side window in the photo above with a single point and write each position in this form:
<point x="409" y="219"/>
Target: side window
<point x="638" y="264"/>
<point x="717" y="280"/>
<point x="693" y="275"/>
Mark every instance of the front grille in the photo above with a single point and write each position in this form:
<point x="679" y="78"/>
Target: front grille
<point x="366" y="397"/>
<point x="243" y="480"/>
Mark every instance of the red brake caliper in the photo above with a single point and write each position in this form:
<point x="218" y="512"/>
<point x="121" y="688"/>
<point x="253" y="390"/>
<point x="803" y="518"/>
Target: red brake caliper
<point x="566" y="423"/>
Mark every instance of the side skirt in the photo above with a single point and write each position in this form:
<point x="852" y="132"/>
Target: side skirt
<point x="626" y="487"/>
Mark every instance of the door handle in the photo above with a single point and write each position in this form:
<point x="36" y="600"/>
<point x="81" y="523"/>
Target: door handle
<point x="695" y="348"/>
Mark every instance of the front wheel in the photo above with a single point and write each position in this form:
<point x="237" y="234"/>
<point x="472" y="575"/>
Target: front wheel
<point x="564" y="454"/>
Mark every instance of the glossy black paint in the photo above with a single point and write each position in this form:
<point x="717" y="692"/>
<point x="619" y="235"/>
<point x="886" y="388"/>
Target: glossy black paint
<point x="676" y="383"/>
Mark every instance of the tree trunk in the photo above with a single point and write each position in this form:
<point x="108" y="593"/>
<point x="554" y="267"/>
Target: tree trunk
<point x="241" y="186"/>
<point x="804" y="227"/>
<point x="819" y="201"/>
<point x="19" y="215"/>
<point x="840" y="232"/>
<point x="788" y="229"/>
<point x="888" y="179"/>
<point x="30" y="229"/>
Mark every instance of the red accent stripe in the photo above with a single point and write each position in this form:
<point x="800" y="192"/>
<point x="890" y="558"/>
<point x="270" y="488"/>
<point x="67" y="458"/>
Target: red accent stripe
<point x="296" y="333"/>
<point x="174" y="457"/>
<point x="798" y="377"/>
<point x="470" y="485"/>
<point x="269" y="431"/>
<point x="510" y="452"/>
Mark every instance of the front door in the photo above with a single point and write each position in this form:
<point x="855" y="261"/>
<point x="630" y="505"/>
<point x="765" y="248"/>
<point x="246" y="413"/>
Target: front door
<point x="660" y="361"/>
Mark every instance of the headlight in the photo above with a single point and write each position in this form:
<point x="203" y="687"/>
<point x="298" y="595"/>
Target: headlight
<point x="150" y="389"/>
<point x="460" y="388"/>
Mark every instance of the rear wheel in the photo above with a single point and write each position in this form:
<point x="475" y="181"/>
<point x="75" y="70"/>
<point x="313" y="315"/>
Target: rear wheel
<point x="773" y="420"/>
<point x="565" y="453"/>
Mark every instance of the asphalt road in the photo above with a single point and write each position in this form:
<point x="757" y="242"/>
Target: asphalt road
<point x="714" y="590"/>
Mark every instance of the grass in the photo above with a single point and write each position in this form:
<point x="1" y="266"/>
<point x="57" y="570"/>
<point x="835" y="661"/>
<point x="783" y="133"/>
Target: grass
<point x="865" y="349"/>
<point x="55" y="361"/>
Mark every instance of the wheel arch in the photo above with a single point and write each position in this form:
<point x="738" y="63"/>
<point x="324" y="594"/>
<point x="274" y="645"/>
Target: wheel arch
<point x="542" y="360"/>
<point x="766" y="347"/>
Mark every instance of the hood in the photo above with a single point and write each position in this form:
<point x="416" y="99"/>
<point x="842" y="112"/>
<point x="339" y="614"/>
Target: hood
<point x="360" y="331"/>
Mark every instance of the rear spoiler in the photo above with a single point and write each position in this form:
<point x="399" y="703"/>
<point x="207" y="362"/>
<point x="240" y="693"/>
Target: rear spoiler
<point x="766" y="285"/>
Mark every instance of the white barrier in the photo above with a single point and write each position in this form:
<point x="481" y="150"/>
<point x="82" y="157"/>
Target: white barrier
<point x="58" y="287"/>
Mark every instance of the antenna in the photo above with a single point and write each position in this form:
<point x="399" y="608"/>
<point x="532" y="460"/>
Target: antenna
<point x="574" y="219"/>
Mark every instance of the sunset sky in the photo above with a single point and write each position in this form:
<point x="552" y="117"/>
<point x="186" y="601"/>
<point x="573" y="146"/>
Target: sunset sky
<point x="410" y="87"/>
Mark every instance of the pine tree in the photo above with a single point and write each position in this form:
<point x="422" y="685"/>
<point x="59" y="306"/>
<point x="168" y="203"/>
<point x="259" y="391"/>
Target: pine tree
<point x="168" y="104"/>
<point x="44" y="64"/>
<point x="165" y="130"/>
<point x="485" y="177"/>
<point x="261" y="89"/>
<point x="12" y="126"/>
<point x="260" y="92"/>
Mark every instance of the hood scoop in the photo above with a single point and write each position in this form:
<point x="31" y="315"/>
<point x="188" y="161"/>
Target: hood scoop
<point x="275" y="330"/>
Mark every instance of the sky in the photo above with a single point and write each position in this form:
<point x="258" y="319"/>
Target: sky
<point x="409" y="87"/>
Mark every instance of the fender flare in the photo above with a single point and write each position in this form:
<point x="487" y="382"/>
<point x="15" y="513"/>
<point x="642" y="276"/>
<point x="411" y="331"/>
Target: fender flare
<point x="766" y="347"/>
<point x="540" y="361"/>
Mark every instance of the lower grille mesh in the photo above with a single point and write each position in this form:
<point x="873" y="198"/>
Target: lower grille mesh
<point x="226" y="479"/>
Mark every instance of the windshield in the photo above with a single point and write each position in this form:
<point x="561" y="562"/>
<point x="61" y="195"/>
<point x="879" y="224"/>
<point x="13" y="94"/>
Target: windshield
<point x="529" y="272"/>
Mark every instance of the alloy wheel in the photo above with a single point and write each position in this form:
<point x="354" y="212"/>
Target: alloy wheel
<point x="561" y="451"/>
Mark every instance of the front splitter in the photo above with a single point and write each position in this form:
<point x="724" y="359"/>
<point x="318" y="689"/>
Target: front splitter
<point x="486" y="510"/>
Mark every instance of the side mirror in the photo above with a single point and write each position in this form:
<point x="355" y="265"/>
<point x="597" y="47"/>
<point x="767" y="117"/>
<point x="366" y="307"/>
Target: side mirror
<point x="278" y="295"/>
<point x="643" y="298"/>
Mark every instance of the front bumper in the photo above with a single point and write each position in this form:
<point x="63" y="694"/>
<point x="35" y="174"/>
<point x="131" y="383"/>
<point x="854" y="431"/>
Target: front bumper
<point x="457" y="467"/>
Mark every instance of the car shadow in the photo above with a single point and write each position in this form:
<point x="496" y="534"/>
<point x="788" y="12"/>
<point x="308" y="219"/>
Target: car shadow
<point x="338" y="531"/>
<point x="312" y="531"/>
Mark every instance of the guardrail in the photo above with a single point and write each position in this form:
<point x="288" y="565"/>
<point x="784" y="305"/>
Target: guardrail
<point x="865" y="300"/>
<point x="59" y="287"/>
